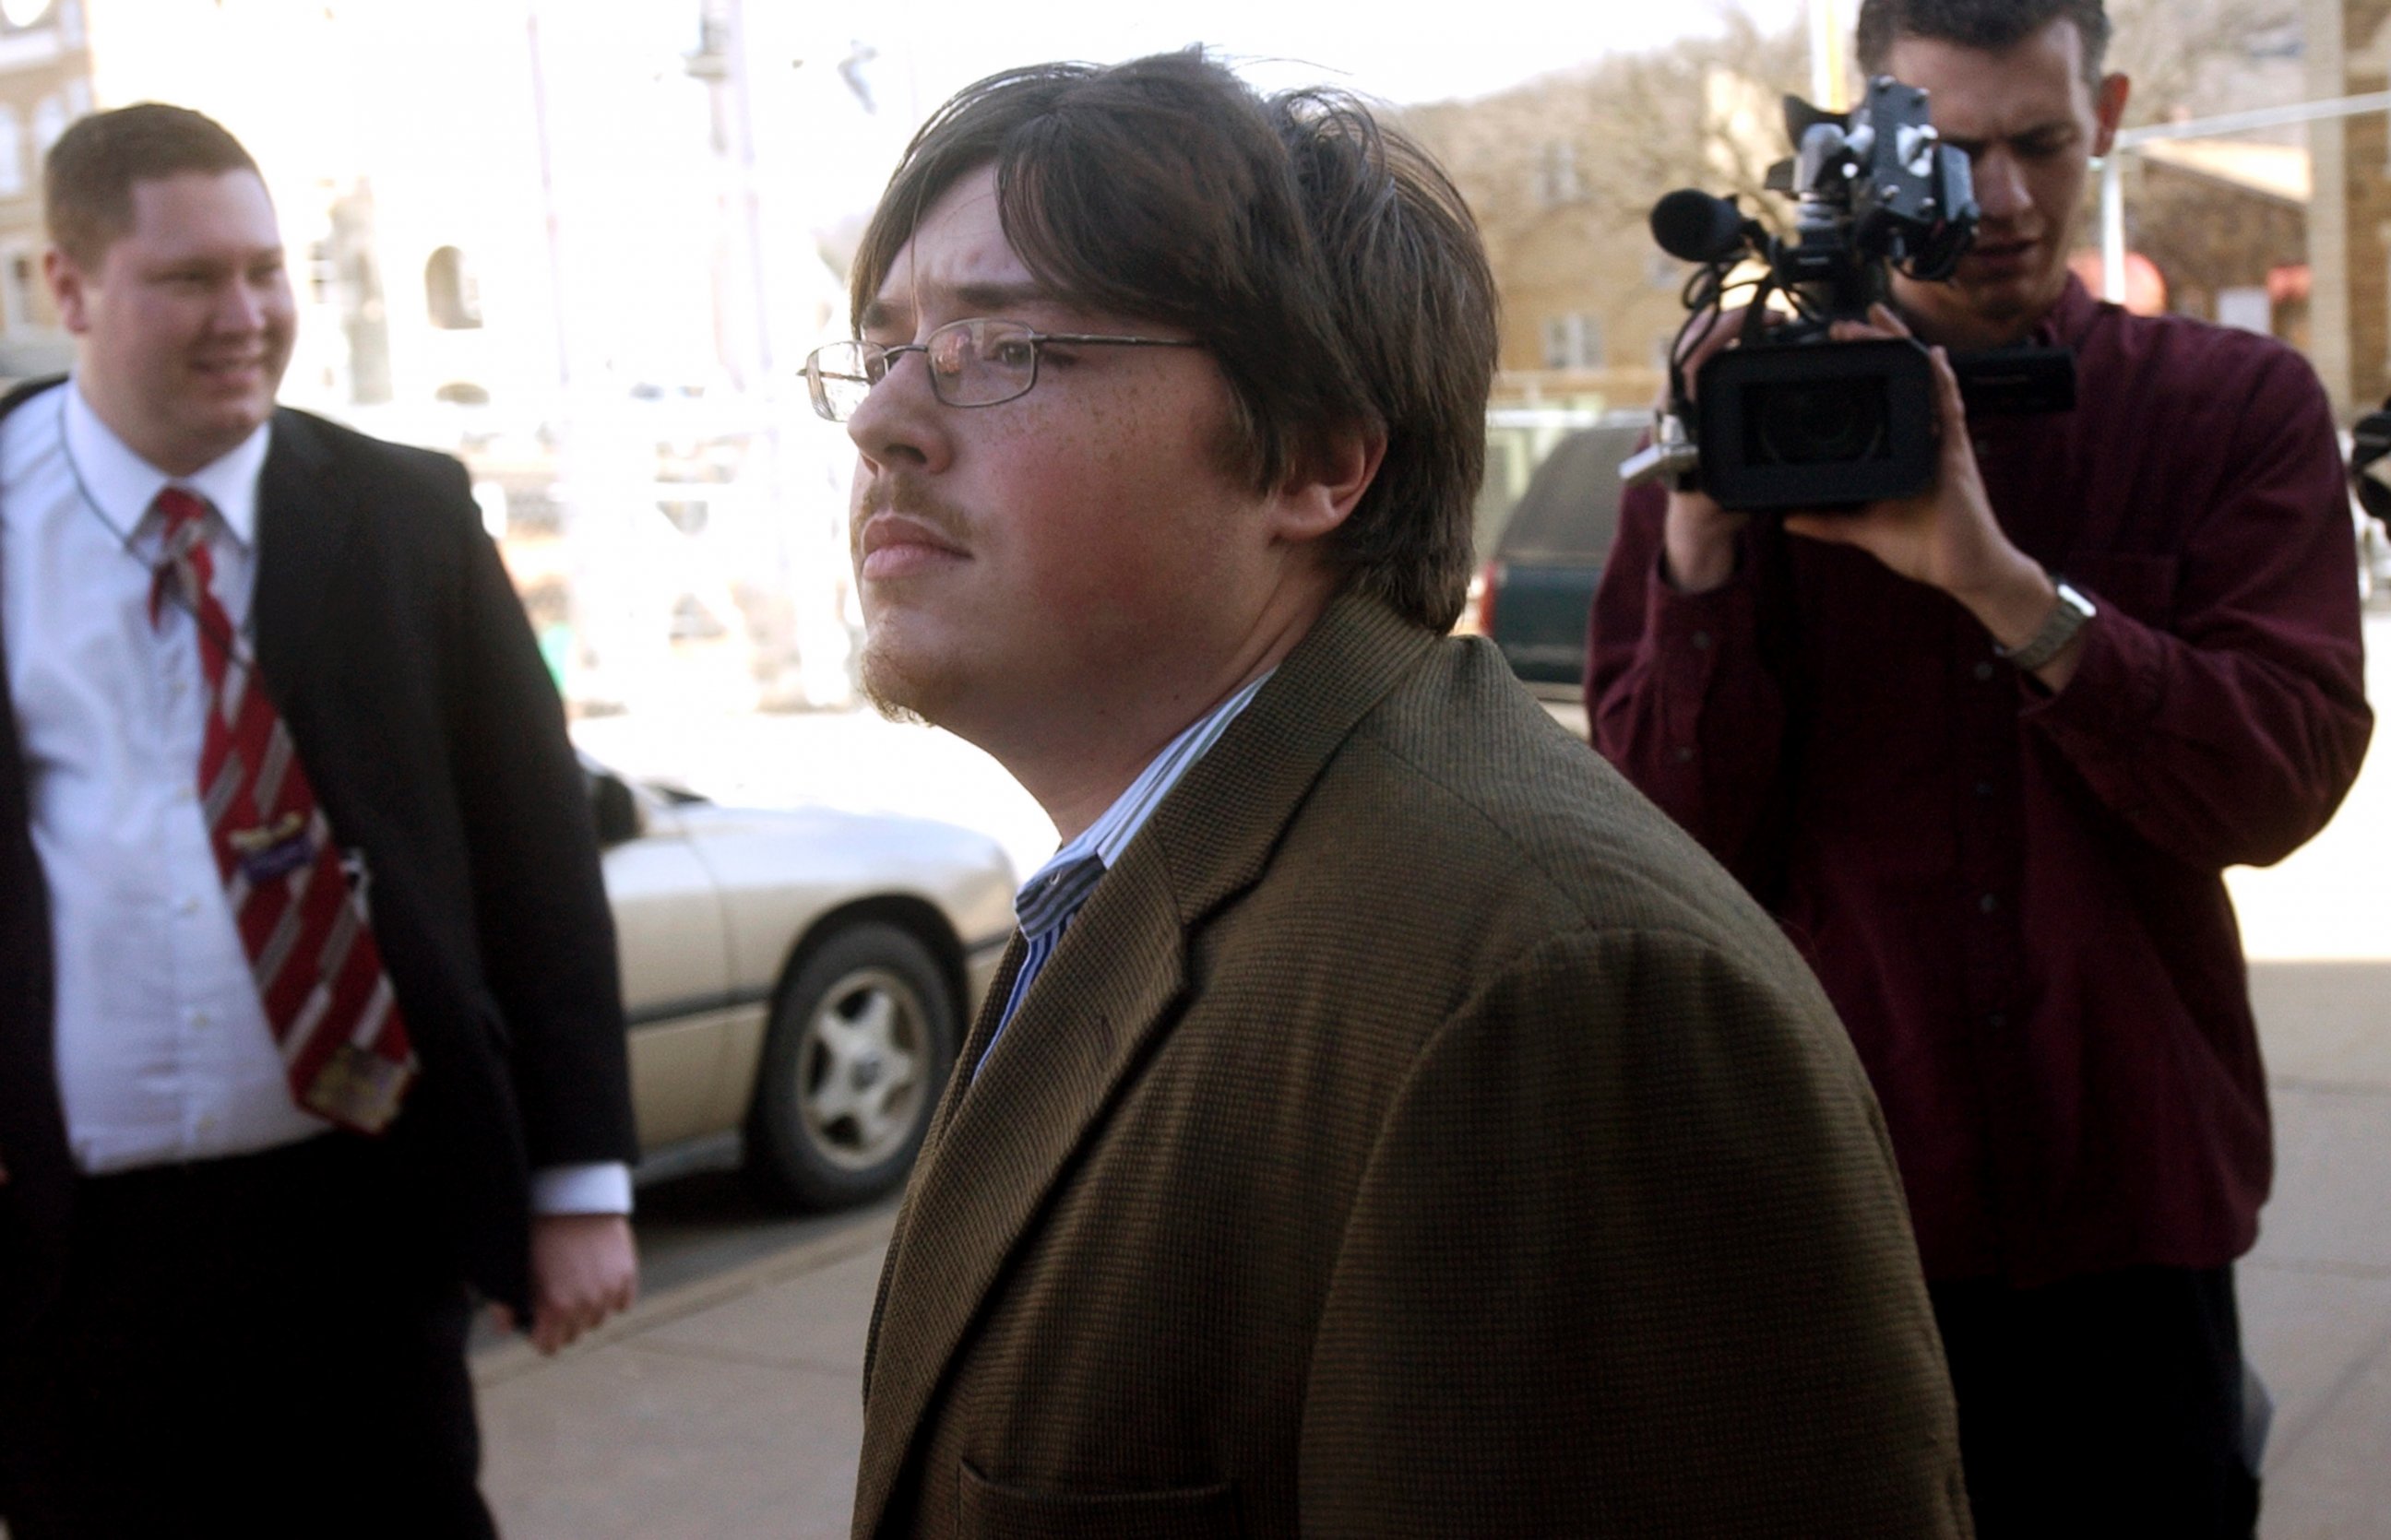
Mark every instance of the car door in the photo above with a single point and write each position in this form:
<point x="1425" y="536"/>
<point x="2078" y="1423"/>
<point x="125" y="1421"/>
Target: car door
<point x="675" y="966"/>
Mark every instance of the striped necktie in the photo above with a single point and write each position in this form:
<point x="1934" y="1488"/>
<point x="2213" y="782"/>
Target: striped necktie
<point x="1044" y="916"/>
<point x="318" y="973"/>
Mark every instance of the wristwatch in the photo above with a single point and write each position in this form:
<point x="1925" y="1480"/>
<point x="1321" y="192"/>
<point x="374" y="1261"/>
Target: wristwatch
<point x="2059" y="628"/>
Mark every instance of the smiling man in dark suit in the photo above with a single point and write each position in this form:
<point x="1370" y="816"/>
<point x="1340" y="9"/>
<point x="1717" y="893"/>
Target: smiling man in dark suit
<point x="308" y="1009"/>
<point x="1385" y="1124"/>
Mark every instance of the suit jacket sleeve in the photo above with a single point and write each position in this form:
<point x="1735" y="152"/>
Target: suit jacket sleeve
<point x="1627" y="1260"/>
<point x="545" y="931"/>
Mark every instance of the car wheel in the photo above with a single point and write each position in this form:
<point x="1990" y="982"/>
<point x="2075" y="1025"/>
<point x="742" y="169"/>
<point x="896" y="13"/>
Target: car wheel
<point x="862" y="1037"/>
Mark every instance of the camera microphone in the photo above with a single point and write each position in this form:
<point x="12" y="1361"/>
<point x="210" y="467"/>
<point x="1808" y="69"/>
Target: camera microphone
<point x="1692" y="225"/>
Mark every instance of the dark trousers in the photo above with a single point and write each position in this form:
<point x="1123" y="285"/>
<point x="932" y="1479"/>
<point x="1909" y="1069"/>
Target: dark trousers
<point x="259" y="1346"/>
<point x="2107" y="1405"/>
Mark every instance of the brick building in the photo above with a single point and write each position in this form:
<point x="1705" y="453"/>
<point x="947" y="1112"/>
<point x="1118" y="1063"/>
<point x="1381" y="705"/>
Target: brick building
<point x="45" y="84"/>
<point x="2348" y="53"/>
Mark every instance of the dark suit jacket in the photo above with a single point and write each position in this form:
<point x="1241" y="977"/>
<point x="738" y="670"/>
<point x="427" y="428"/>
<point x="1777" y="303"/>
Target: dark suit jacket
<point x="394" y="645"/>
<point x="1415" y="1134"/>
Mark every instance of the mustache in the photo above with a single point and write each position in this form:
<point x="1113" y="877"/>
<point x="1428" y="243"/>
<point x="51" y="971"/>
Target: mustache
<point x="898" y="493"/>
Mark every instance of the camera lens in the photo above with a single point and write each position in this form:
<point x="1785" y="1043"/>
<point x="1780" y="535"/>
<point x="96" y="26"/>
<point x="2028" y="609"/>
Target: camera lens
<point x="1815" y="421"/>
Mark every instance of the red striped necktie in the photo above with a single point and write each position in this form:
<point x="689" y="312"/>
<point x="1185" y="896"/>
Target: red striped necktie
<point x="313" y="955"/>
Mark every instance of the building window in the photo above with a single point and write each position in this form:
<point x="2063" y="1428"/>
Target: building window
<point x="450" y="293"/>
<point x="16" y="288"/>
<point x="12" y="153"/>
<point x="49" y="122"/>
<point x="1572" y="341"/>
<point x="1556" y="178"/>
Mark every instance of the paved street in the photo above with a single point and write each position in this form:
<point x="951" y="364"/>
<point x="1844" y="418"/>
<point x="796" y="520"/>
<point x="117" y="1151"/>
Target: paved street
<point x="726" y="1404"/>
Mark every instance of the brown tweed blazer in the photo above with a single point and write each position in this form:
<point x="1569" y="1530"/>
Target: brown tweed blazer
<point x="1415" y="1134"/>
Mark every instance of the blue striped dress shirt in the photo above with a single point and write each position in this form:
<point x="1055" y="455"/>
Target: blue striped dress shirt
<point x="1047" y="902"/>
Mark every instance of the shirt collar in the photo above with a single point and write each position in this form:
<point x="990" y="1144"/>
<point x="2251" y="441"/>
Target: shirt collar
<point x="122" y="485"/>
<point x="1055" y="891"/>
<point x="2064" y="324"/>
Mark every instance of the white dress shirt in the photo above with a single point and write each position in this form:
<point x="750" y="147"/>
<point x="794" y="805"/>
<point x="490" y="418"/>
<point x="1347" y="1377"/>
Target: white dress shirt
<point x="163" y="1050"/>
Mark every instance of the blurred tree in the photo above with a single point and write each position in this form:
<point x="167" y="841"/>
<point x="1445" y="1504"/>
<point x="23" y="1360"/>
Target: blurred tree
<point x="1562" y="170"/>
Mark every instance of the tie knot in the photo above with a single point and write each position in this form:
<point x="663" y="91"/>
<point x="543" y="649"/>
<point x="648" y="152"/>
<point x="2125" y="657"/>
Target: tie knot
<point x="181" y="509"/>
<point x="1054" y="900"/>
<point x="182" y="565"/>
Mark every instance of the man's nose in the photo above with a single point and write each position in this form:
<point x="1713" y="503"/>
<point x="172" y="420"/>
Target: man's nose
<point x="2000" y="185"/>
<point x="900" y="419"/>
<point x="240" y="307"/>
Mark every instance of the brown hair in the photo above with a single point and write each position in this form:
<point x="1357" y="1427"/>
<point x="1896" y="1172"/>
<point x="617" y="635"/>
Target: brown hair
<point x="1327" y="264"/>
<point x="1991" y="26"/>
<point x="88" y="175"/>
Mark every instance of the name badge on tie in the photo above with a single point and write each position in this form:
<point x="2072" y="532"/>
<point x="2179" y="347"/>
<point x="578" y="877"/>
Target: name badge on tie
<point x="273" y="850"/>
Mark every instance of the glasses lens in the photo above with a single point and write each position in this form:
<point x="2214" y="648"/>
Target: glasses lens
<point x="982" y="362"/>
<point x="839" y="376"/>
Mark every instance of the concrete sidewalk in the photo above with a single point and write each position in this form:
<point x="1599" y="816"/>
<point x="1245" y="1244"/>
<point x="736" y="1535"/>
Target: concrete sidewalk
<point x="2316" y="1295"/>
<point x="726" y="1409"/>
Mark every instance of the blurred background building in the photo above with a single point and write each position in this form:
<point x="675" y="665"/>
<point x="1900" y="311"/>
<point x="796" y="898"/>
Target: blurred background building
<point x="549" y="238"/>
<point x="585" y="246"/>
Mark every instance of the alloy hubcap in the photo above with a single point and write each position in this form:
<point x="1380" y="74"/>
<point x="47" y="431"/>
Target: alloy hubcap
<point x="862" y="1068"/>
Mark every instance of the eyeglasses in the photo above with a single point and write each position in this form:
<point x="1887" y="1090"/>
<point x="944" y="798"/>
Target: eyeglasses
<point x="976" y="363"/>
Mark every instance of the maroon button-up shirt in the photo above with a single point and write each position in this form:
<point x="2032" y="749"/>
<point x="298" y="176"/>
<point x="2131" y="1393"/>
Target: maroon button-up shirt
<point x="2016" y="899"/>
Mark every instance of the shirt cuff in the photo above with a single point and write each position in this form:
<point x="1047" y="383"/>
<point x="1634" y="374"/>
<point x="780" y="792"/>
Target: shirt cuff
<point x="597" y="1187"/>
<point x="1690" y="630"/>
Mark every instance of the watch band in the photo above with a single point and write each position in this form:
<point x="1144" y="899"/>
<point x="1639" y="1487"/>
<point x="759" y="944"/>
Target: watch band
<point x="2059" y="628"/>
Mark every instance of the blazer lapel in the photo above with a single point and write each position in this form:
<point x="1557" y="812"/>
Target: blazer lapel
<point x="302" y="529"/>
<point x="998" y="1144"/>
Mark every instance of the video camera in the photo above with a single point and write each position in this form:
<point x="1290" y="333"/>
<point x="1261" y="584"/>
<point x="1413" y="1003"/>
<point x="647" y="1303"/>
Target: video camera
<point x="1779" y="422"/>
<point x="2369" y="445"/>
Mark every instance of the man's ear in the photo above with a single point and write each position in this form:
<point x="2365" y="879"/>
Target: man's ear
<point x="2109" y="109"/>
<point x="1320" y="493"/>
<point x="68" y="288"/>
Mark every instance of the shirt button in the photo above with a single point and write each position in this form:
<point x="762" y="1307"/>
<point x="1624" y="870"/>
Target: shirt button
<point x="188" y="906"/>
<point x="1984" y="789"/>
<point x="201" y="1020"/>
<point x="1983" y="671"/>
<point x="183" y="795"/>
<point x="1683" y="756"/>
<point x="1989" y="902"/>
<point x="1701" y="640"/>
<point x="1997" y="1021"/>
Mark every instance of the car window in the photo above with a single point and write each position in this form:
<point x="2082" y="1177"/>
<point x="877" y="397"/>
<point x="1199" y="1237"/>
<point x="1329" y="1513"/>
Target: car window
<point x="1572" y="504"/>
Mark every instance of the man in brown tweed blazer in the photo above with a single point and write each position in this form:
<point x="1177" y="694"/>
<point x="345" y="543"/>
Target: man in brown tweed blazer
<point x="1387" y="1123"/>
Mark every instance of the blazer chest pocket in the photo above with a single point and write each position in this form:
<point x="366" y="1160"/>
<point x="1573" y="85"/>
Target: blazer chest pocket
<point x="992" y="1511"/>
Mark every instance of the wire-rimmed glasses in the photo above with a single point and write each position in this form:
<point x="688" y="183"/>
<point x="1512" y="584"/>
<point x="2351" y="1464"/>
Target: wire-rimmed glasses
<point x="973" y="363"/>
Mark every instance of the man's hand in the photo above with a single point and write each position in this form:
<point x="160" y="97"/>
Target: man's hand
<point x="1698" y="536"/>
<point x="1946" y="536"/>
<point x="583" y="1269"/>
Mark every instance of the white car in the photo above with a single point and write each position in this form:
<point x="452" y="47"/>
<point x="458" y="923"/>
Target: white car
<point x="797" y="982"/>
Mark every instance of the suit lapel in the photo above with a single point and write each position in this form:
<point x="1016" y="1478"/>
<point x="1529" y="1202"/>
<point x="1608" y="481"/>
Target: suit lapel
<point x="303" y="531"/>
<point x="1099" y="1009"/>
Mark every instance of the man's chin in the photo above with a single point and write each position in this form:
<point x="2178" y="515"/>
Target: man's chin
<point x="232" y="418"/>
<point x="1957" y="311"/>
<point x="893" y="690"/>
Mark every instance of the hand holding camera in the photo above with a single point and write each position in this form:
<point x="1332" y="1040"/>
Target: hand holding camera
<point x="1837" y="420"/>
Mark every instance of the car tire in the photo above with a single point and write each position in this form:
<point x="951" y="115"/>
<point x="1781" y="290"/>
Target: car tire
<point x="862" y="1035"/>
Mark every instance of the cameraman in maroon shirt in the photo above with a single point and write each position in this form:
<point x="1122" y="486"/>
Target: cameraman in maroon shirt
<point x="1987" y="752"/>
